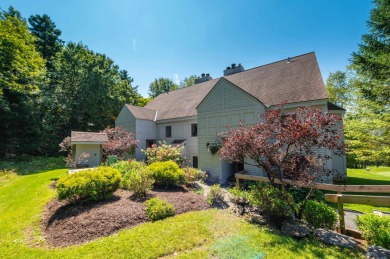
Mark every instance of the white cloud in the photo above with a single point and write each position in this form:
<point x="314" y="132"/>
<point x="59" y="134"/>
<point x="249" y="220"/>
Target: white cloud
<point x="134" y="45"/>
<point x="176" y="78"/>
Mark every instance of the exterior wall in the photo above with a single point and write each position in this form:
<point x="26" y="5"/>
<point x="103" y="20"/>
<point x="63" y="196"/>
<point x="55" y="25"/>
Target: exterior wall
<point x="93" y="149"/>
<point x="145" y="129"/>
<point x="126" y="120"/>
<point x="181" y="129"/>
<point x="226" y="105"/>
<point x="339" y="163"/>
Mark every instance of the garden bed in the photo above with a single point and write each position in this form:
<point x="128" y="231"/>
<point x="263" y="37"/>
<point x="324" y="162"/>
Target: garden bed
<point x="69" y="224"/>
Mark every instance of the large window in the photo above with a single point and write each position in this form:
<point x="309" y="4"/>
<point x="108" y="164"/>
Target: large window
<point x="168" y="131"/>
<point x="194" y="130"/>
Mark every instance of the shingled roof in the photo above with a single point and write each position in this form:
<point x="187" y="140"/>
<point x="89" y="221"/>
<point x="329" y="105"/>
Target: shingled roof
<point x="142" y="112"/>
<point x="93" y="137"/>
<point x="295" y="80"/>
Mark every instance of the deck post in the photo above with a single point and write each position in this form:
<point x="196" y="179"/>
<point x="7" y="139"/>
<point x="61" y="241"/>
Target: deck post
<point x="341" y="213"/>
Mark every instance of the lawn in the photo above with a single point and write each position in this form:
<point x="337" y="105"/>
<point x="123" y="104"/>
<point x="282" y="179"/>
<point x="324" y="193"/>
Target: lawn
<point x="376" y="176"/>
<point x="190" y="235"/>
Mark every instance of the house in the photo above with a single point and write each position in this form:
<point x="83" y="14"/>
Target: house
<point x="88" y="143"/>
<point x="194" y="115"/>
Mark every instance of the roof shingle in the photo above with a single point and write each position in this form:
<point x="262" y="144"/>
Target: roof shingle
<point x="296" y="81"/>
<point x="79" y="136"/>
<point x="142" y="112"/>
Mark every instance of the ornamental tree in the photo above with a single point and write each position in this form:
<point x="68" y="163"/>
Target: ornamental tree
<point x="284" y="145"/>
<point x="120" y="142"/>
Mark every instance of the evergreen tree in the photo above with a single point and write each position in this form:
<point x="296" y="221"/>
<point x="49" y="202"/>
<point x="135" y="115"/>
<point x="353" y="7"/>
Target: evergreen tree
<point x="47" y="36"/>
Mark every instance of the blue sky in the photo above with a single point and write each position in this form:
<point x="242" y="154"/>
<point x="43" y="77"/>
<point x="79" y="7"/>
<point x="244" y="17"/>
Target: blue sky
<point x="179" y="38"/>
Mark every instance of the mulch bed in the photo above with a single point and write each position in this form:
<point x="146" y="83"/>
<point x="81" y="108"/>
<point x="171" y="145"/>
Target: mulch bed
<point x="69" y="224"/>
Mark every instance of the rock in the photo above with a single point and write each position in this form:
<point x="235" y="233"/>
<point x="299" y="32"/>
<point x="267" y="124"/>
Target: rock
<point x="333" y="238"/>
<point x="295" y="228"/>
<point x="377" y="252"/>
<point x="257" y="219"/>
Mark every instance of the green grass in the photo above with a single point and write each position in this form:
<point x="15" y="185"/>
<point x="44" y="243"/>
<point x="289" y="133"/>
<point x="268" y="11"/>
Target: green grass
<point x="376" y="176"/>
<point x="190" y="235"/>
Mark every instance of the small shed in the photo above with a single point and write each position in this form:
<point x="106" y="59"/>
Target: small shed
<point x="88" y="143"/>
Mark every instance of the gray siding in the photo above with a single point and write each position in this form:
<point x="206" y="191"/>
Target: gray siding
<point x="181" y="129"/>
<point x="226" y="105"/>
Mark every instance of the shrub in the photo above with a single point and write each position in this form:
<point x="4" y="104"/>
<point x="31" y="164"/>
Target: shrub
<point x="164" y="152"/>
<point x="239" y="196"/>
<point x="275" y="204"/>
<point x="94" y="184"/>
<point x="375" y="229"/>
<point x="139" y="182"/>
<point x="166" y="173"/>
<point x="299" y="194"/>
<point x="128" y="167"/>
<point x="215" y="194"/>
<point x="191" y="175"/>
<point x="157" y="209"/>
<point x="320" y="215"/>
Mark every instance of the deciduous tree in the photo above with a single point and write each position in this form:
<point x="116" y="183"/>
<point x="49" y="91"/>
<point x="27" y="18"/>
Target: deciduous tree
<point x="161" y="85"/>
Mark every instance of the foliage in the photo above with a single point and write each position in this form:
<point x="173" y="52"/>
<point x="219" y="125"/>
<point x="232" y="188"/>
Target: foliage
<point x="128" y="167"/>
<point x="300" y="193"/>
<point x="188" y="81"/>
<point x="372" y="60"/>
<point x="215" y="194"/>
<point x="120" y="142"/>
<point x="157" y="209"/>
<point x="320" y="215"/>
<point x="284" y="144"/>
<point x="94" y="184"/>
<point x="191" y="175"/>
<point x="138" y="181"/>
<point x="22" y="71"/>
<point x="338" y="88"/>
<point x="47" y="36"/>
<point x="239" y="195"/>
<point x="136" y="177"/>
<point x="191" y="233"/>
<point x="276" y="204"/>
<point x="166" y="173"/>
<point x="142" y="101"/>
<point x="164" y="152"/>
<point x="161" y="85"/>
<point x="375" y="229"/>
<point x="213" y="148"/>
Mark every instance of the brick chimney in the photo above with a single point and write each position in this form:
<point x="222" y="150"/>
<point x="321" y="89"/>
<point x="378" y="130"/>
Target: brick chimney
<point x="204" y="77"/>
<point x="233" y="69"/>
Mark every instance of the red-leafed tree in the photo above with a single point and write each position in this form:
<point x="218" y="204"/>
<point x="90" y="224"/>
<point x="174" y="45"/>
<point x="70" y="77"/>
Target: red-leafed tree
<point x="284" y="145"/>
<point x="120" y="142"/>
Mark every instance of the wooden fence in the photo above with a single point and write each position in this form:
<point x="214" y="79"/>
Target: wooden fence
<point x="338" y="198"/>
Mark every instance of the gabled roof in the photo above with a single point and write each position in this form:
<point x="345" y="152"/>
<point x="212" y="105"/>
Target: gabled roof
<point x="297" y="80"/>
<point x="93" y="137"/>
<point x="142" y="112"/>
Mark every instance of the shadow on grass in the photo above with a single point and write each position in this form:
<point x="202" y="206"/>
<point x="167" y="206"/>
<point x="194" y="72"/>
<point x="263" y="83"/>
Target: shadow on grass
<point x="31" y="165"/>
<point x="363" y="181"/>
<point x="75" y="209"/>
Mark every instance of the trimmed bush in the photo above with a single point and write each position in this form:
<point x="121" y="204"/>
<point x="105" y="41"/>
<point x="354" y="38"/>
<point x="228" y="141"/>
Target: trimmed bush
<point x="157" y="209"/>
<point x="320" y="215"/>
<point x="273" y="203"/>
<point x="94" y="184"/>
<point x="375" y="229"/>
<point x="166" y="173"/>
<point x="215" y="194"/>
<point x="191" y="175"/>
<point x="127" y="168"/>
<point x="139" y="182"/>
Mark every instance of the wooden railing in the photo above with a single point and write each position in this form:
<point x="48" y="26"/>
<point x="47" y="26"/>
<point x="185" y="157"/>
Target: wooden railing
<point x="322" y="186"/>
<point x="338" y="198"/>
